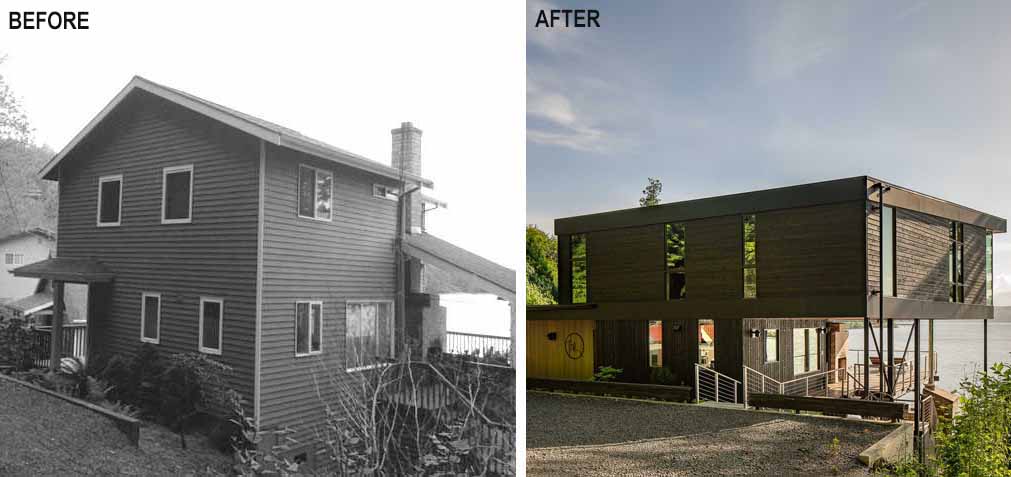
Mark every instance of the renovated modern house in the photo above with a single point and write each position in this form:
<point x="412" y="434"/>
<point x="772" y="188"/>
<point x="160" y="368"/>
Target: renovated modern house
<point x="758" y="286"/>
<point x="20" y="249"/>
<point x="198" y="228"/>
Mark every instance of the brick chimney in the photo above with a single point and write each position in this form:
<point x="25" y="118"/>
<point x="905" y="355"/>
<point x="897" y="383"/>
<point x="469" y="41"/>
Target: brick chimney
<point x="407" y="148"/>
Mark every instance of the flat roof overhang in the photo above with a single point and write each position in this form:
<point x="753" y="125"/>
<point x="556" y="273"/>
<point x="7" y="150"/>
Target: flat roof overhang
<point x="852" y="189"/>
<point x="73" y="270"/>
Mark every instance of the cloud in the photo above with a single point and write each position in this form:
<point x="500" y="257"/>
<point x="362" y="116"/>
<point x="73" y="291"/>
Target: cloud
<point x="556" y="123"/>
<point x="798" y="36"/>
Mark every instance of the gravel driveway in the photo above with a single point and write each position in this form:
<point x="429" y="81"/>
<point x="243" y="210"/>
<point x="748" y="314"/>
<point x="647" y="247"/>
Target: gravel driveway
<point x="583" y="435"/>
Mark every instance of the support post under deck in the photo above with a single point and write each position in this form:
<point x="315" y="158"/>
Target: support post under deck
<point x="917" y="398"/>
<point x="985" y="368"/>
<point x="867" y="355"/>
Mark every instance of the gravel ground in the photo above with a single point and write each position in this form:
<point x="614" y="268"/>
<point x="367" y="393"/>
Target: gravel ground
<point x="42" y="435"/>
<point x="582" y="435"/>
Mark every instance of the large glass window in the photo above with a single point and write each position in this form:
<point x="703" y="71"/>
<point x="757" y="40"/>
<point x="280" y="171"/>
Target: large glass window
<point x="110" y="195"/>
<point x="577" y="257"/>
<point x="989" y="267"/>
<point x="771" y="345"/>
<point x="750" y="254"/>
<point x="211" y="312"/>
<point x="655" y="343"/>
<point x="150" y="317"/>
<point x="955" y="265"/>
<point x="369" y="336"/>
<point x="315" y="193"/>
<point x="177" y="194"/>
<point x="674" y="237"/>
<point x="888" y="249"/>
<point x="805" y="350"/>
<point x="308" y="327"/>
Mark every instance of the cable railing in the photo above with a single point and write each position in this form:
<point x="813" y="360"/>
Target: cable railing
<point x="815" y="384"/>
<point x="711" y="385"/>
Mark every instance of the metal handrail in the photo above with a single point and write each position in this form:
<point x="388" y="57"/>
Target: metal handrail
<point x="715" y="377"/>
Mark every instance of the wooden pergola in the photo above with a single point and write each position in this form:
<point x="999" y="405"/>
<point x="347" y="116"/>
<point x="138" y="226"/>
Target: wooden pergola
<point x="61" y="271"/>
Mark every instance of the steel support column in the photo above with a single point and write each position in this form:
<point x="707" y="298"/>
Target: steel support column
<point x="917" y="398"/>
<point x="985" y="368"/>
<point x="867" y="355"/>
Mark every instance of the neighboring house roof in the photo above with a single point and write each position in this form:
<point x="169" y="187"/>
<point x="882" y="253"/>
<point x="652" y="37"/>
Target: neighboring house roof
<point x="75" y="270"/>
<point x="31" y="303"/>
<point x="431" y="245"/>
<point x="707" y="332"/>
<point x="44" y="233"/>
<point x="266" y="130"/>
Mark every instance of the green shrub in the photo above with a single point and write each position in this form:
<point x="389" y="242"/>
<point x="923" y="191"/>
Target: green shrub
<point x="607" y="373"/>
<point x="978" y="441"/>
<point x="190" y="385"/>
<point x="15" y="344"/>
<point x="662" y="375"/>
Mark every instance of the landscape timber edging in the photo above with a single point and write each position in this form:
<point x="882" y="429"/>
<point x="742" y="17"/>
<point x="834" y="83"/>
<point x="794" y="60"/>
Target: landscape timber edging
<point x="656" y="391"/>
<point x="892" y="448"/>
<point x="128" y="425"/>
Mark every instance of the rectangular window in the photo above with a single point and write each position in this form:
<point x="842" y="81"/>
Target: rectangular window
<point x="989" y="267"/>
<point x="14" y="259"/>
<point x="771" y="346"/>
<point x="150" y="317"/>
<point x="369" y="337"/>
<point x="577" y="257"/>
<point x="655" y="344"/>
<point x="385" y="192"/>
<point x="211" y="318"/>
<point x="110" y="198"/>
<point x="674" y="239"/>
<point x="308" y="327"/>
<point x="315" y="193"/>
<point x="955" y="265"/>
<point x="750" y="256"/>
<point x="888" y="250"/>
<point x="177" y="195"/>
<point x="805" y="350"/>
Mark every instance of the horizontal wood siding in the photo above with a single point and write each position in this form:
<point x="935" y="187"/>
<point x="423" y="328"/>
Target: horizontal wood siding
<point x="626" y="264"/>
<point x="215" y="255"/>
<point x="713" y="259"/>
<point x="754" y="348"/>
<point x="349" y="258"/>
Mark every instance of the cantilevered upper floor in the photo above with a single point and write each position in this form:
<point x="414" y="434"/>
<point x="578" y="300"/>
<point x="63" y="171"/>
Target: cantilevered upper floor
<point x="811" y="250"/>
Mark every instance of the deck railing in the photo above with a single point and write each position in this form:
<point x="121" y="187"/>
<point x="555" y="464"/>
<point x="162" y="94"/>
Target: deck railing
<point x="711" y="385"/>
<point x="813" y="384"/>
<point x="74" y="343"/>
<point x="476" y="344"/>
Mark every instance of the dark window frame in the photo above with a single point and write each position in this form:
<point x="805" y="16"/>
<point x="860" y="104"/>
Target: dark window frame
<point x="956" y="262"/>
<point x="989" y="268"/>
<point x="675" y="269"/>
<point x="650" y="343"/>
<point x="888" y="228"/>
<point x="573" y="259"/>
<point x="745" y="266"/>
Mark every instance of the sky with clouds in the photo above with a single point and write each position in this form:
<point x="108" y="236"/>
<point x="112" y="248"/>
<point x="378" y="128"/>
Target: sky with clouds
<point x="723" y="97"/>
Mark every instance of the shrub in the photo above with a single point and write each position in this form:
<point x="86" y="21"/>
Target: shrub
<point x="250" y="460"/>
<point x="192" y="384"/>
<point x="607" y="373"/>
<point x="663" y="376"/>
<point x="15" y="344"/>
<point x="978" y="441"/>
<point x="135" y="378"/>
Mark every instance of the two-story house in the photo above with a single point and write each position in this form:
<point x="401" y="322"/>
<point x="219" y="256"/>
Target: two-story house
<point x="20" y="249"/>
<point x="203" y="229"/>
<point x="758" y="280"/>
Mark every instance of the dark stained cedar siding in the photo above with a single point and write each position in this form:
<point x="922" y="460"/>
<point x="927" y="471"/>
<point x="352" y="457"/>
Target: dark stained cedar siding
<point x="303" y="259"/>
<point x="215" y="255"/>
<point x="713" y="251"/>
<point x="975" y="264"/>
<point x="754" y="348"/>
<point x="627" y="264"/>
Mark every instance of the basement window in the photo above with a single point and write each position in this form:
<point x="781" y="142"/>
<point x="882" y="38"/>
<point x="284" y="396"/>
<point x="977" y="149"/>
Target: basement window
<point x="655" y="343"/>
<point x="955" y="263"/>
<point x="578" y="269"/>
<point x="315" y="193"/>
<point x="385" y="192"/>
<point x="369" y="339"/>
<point x="771" y="345"/>
<point x="150" y="317"/>
<point x="177" y="195"/>
<point x="211" y="313"/>
<point x="750" y="255"/>
<point x="308" y="327"/>
<point x="110" y="200"/>
<point x="674" y="238"/>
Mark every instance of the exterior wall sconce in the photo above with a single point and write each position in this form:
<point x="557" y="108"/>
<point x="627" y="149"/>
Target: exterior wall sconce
<point x="755" y="333"/>
<point x="552" y="336"/>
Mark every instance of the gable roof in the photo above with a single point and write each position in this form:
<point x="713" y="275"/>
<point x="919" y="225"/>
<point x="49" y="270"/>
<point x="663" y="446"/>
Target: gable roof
<point x="265" y="130"/>
<point x="502" y="277"/>
<point x="41" y="232"/>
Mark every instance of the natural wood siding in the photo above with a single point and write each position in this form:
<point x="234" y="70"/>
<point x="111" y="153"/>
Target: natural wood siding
<point x="811" y="251"/>
<point x="754" y="348"/>
<point x="350" y="257"/>
<point x="713" y="262"/>
<point x="548" y="358"/>
<point x="727" y="347"/>
<point x="215" y="255"/>
<point x="626" y="264"/>
<point x="625" y="345"/>
<point x="564" y="271"/>
<point x="921" y="258"/>
<point x="975" y="264"/>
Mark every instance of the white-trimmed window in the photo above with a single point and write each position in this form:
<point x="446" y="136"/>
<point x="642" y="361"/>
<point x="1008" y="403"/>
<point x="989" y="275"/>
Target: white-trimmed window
<point x="14" y="259"/>
<point x="308" y="327"/>
<point x="369" y="336"/>
<point x="212" y="313"/>
<point x="110" y="200"/>
<point x="150" y="317"/>
<point x="385" y="192"/>
<point x="177" y="195"/>
<point x="315" y="193"/>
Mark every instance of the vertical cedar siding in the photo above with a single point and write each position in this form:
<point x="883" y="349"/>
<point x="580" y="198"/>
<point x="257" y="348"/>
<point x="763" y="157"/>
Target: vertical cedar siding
<point x="626" y="264"/>
<point x="215" y="255"/>
<point x="975" y="264"/>
<point x="754" y="348"/>
<point x="350" y="257"/>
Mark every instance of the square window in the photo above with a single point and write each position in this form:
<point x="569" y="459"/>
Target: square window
<point x="110" y="195"/>
<point x="211" y="318"/>
<point x="177" y="194"/>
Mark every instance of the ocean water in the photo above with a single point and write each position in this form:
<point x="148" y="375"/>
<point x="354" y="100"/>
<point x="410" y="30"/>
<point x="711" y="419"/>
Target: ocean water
<point x="959" y="346"/>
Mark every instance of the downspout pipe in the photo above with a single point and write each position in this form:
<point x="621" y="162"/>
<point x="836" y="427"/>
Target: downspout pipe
<point x="400" y="309"/>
